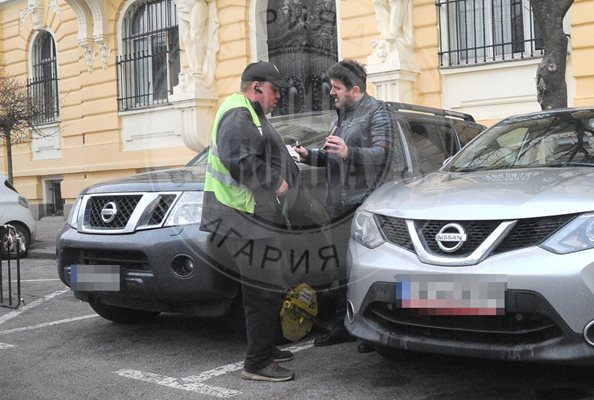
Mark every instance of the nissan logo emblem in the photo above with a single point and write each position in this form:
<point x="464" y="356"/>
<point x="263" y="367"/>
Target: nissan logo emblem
<point x="109" y="212"/>
<point x="451" y="237"/>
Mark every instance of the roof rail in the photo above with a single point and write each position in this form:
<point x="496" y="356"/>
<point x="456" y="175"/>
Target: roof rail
<point x="429" y="110"/>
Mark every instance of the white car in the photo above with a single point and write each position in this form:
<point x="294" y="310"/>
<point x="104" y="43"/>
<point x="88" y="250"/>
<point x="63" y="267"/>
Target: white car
<point x="492" y="256"/>
<point x="14" y="211"/>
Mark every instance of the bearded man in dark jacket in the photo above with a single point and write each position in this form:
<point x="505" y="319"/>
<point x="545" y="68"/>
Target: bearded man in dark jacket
<point x="356" y="156"/>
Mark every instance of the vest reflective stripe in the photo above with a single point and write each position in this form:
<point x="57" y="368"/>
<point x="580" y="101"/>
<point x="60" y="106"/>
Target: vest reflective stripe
<point x="218" y="179"/>
<point x="221" y="177"/>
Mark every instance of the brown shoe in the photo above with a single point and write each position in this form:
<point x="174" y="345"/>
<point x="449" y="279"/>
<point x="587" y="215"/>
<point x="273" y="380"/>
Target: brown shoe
<point x="273" y="372"/>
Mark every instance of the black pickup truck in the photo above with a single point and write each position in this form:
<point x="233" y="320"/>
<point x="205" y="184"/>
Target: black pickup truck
<point x="132" y="248"/>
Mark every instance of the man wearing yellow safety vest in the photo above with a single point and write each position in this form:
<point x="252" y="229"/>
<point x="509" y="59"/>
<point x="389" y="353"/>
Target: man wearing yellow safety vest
<point x="249" y="176"/>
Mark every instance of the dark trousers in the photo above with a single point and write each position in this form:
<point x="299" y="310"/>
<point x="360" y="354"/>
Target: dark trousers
<point x="262" y="298"/>
<point x="342" y="235"/>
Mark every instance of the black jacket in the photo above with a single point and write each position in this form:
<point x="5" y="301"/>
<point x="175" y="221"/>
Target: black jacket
<point x="368" y="130"/>
<point x="257" y="161"/>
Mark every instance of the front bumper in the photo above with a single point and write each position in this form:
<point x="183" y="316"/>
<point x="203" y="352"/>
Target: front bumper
<point x="548" y="303"/>
<point x="148" y="281"/>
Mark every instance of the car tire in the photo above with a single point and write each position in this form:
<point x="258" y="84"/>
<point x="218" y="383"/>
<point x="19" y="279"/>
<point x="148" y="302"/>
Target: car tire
<point x="8" y="246"/>
<point x="122" y="315"/>
<point x="392" y="354"/>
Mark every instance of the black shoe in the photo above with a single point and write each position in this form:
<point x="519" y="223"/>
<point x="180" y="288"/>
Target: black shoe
<point x="281" y="355"/>
<point x="271" y="373"/>
<point x="365" y="348"/>
<point x="335" y="337"/>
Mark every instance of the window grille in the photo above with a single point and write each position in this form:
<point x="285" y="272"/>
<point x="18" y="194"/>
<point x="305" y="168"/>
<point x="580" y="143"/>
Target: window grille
<point x="483" y="31"/>
<point x="149" y="66"/>
<point x="43" y="85"/>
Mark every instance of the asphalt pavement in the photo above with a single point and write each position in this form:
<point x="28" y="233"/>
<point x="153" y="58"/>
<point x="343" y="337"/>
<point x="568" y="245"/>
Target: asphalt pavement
<point x="44" y="246"/>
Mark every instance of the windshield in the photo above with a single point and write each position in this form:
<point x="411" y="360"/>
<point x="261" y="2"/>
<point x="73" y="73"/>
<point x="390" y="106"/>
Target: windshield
<point x="539" y="140"/>
<point x="309" y="130"/>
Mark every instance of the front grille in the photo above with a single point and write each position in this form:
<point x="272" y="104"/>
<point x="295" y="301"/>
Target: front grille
<point x="526" y="233"/>
<point x="395" y="231"/>
<point x="477" y="232"/>
<point x="532" y="231"/>
<point x="125" y="205"/>
<point x="161" y="209"/>
<point x="509" y="329"/>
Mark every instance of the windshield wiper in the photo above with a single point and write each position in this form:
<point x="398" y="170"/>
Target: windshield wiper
<point x="470" y="169"/>
<point x="557" y="164"/>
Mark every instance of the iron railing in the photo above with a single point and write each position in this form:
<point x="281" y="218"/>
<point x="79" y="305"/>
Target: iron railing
<point x="146" y="78"/>
<point x="43" y="91"/>
<point x="149" y="65"/>
<point x="10" y="273"/>
<point x="483" y="31"/>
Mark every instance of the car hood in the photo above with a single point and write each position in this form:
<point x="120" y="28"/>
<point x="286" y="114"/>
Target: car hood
<point x="501" y="194"/>
<point x="187" y="178"/>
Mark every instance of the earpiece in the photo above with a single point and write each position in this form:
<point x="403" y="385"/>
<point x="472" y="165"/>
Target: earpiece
<point x="258" y="90"/>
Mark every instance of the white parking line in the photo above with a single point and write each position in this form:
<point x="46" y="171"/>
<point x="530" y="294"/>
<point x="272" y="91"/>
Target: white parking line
<point x="35" y="303"/>
<point x="5" y="346"/>
<point x="174" y="383"/>
<point x="195" y="383"/>
<point x="46" y="324"/>
<point x="37" y="280"/>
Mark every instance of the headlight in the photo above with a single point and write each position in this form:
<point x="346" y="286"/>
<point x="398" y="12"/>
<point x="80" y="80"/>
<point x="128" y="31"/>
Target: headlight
<point x="576" y="236"/>
<point x="186" y="210"/>
<point x="365" y="230"/>
<point x="72" y="219"/>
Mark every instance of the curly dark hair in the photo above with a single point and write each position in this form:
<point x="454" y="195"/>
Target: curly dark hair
<point x="350" y="73"/>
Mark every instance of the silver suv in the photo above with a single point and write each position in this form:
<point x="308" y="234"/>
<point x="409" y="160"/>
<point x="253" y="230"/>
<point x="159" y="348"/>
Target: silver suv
<point x="491" y="256"/>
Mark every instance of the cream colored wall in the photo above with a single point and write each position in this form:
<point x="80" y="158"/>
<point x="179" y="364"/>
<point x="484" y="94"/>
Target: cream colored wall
<point x="89" y="122"/>
<point x="234" y="53"/>
<point x="358" y="28"/>
<point x="428" y="85"/>
<point x="582" y="52"/>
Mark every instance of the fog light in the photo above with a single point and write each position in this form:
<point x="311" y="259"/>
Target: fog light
<point x="182" y="266"/>
<point x="589" y="333"/>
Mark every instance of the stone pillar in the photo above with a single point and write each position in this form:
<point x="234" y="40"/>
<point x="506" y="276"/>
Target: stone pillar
<point x="393" y="69"/>
<point x="196" y="105"/>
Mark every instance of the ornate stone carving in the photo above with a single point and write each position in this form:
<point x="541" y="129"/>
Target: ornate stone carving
<point x="34" y="10"/>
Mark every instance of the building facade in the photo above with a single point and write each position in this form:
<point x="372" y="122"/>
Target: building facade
<point x="126" y="86"/>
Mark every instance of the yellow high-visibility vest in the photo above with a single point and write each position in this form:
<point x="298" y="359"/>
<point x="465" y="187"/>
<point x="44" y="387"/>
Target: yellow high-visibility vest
<point x="218" y="179"/>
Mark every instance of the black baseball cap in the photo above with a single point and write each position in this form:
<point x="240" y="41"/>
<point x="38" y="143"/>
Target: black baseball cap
<point x="264" y="72"/>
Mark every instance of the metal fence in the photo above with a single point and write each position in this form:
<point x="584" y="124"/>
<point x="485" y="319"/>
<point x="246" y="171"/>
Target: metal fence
<point x="43" y="91"/>
<point x="482" y="31"/>
<point x="10" y="267"/>
<point x="149" y="64"/>
<point x="147" y="77"/>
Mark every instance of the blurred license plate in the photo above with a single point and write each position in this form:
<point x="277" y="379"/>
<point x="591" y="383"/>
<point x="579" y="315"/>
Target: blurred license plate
<point x="95" y="277"/>
<point x="442" y="294"/>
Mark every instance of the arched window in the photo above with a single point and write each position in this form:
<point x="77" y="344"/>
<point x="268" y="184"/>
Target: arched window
<point x="43" y="85"/>
<point x="149" y="65"/>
